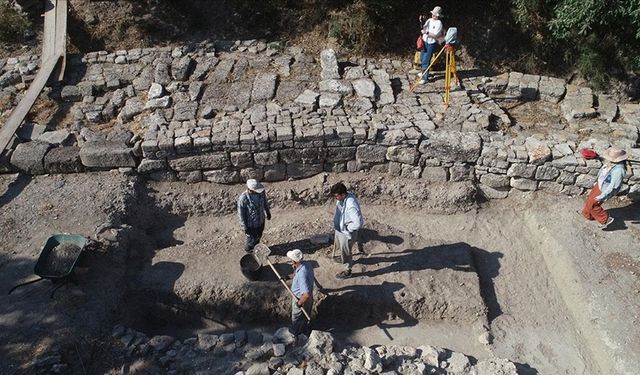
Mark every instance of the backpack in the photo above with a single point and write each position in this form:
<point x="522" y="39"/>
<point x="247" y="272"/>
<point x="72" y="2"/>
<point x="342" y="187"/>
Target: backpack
<point x="420" y="42"/>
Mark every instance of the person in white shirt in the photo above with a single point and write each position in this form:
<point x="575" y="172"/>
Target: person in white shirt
<point x="431" y="31"/>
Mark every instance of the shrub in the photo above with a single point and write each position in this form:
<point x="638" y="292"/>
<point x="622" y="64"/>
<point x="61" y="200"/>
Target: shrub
<point x="353" y="27"/>
<point x="13" y="23"/>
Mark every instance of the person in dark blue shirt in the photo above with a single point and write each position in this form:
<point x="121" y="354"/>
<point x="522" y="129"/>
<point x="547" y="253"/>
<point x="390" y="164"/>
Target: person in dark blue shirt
<point x="253" y="209"/>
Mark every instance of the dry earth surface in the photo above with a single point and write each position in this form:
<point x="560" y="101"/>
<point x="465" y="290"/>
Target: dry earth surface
<point x="557" y="294"/>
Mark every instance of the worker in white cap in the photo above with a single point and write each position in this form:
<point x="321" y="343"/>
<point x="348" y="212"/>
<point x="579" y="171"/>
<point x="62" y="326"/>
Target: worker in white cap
<point x="431" y="31"/>
<point x="302" y="288"/>
<point x="253" y="209"/>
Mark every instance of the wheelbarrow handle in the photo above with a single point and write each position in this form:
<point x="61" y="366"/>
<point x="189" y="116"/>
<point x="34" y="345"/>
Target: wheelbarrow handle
<point x="306" y="315"/>
<point x="23" y="284"/>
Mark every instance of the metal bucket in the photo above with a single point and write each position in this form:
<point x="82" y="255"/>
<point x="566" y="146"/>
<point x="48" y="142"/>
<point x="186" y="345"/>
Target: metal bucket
<point x="250" y="267"/>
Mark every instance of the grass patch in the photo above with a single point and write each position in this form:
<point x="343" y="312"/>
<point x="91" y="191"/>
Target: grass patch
<point x="13" y="23"/>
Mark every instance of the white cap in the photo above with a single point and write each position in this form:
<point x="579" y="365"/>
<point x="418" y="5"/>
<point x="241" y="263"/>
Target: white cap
<point x="295" y="255"/>
<point x="437" y="11"/>
<point x="255" y="185"/>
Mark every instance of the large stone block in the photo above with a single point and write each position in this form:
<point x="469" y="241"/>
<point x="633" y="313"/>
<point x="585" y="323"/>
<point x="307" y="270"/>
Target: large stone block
<point x="461" y="172"/>
<point x="150" y="166"/>
<point x="264" y="87"/>
<point x="336" y="86"/>
<point x="364" y="87"/>
<point x="266" y="158"/>
<point x="204" y="161"/>
<point x="521" y="170"/>
<point x="452" y="146"/>
<point x="106" y="155"/>
<point x="371" y="153"/>
<point x="71" y="94"/>
<point x="182" y="68"/>
<point x="185" y="111"/>
<point x="547" y="173"/>
<point x="28" y="157"/>
<point x="338" y="154"/>
<point x="329" y="64"/>
<point x="57" y="137"/>
<point x="492" y="193"/>
<point x="241" y="159"/>
<point x="63" y="160"/>
<point x="224" y="176"/>
<point x="305" y="155"/>
<point x="495" y="181"/>
<point x="276" y="172"/>
<point x="403" y="154"/>
<point x="302" y="170"/>
<point x="524" y="184"/>
<point x="132" y="108"/>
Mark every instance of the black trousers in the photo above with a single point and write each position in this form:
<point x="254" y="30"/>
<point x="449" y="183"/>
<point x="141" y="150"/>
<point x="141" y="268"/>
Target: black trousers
<point x="253" y="237"/>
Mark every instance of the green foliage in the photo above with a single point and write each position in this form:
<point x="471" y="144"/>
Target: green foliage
<point x="356" y="30"/>
<point x="13" y="24"/>
<point x="597" y="37"/>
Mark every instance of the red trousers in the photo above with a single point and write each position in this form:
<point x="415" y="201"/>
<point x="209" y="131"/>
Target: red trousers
<point x="592" y="209"/>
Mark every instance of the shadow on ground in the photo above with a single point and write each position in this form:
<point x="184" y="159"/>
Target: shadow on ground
<point x="622" y="215"/>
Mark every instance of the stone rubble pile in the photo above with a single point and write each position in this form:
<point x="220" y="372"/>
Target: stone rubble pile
<point x="226" y="112"/>
<point x="252" y="353"/>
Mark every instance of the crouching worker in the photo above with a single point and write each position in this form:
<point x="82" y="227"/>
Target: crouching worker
<point x="607" y="185"/>
<point x="302" y="288"/>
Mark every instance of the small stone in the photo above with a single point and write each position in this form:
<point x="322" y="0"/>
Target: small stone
<point x="161" y="342"/>
<point x="485" y="338"/>
<point x="279" y="350"/>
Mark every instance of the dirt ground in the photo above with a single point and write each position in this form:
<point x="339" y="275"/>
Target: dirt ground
<point x="557" y="294"/>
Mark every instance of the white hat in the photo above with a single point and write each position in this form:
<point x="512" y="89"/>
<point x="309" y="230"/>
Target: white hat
<point x="295" y="255"/>
<point x="255" y="185"/>
<point x="437" y="11"/>
<point x="615" y="155"/>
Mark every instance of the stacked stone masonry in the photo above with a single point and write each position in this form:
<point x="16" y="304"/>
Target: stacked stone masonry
<point x="228" y="111"/>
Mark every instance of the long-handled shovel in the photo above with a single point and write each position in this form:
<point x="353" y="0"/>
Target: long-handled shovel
<point x="262" y="252"/>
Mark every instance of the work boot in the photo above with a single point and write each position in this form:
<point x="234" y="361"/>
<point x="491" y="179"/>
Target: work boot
<point x="344" y="275"/>
<point x="605" y="225"/>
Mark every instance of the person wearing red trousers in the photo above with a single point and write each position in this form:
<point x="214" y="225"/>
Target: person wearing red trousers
<point x="606" y="186"/>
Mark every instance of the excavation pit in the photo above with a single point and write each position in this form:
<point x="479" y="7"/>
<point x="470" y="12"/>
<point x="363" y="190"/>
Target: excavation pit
<point x="430" y="275"/>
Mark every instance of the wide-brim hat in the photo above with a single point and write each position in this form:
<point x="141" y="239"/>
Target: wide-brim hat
<point x="255" y="185"/>
<point x="615" y="155"/>
<point x="437" y="11"/>
<point x="295" y="255"/>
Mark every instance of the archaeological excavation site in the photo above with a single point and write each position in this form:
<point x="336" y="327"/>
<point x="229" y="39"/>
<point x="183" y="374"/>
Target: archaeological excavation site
<point x="122" y="250"/>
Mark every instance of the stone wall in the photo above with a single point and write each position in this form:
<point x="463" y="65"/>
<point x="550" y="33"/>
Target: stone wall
<point x="258" y="110"/>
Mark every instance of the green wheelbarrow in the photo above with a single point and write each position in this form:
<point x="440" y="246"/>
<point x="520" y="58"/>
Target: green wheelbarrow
<point x="58" y="259"/>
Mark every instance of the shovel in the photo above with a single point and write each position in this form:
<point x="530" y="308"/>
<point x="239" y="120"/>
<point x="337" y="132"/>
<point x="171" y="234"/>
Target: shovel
<point x="262" y="252"/>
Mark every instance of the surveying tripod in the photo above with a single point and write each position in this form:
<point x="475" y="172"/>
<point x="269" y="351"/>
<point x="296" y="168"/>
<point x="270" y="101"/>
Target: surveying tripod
<point x="450" y="71"/>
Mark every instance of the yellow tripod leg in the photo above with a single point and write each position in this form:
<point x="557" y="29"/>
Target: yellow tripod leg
<point x="447" y="79"/>
<point x="453" y="68"/>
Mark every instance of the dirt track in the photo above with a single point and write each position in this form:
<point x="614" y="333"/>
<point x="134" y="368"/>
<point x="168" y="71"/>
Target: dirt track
<point x="559" y="292"/>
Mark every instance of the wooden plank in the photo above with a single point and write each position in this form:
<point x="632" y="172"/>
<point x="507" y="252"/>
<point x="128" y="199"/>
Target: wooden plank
<point x="60" y="48"/>
<point x="21" y="110"/>
<point x="48" y="38"/>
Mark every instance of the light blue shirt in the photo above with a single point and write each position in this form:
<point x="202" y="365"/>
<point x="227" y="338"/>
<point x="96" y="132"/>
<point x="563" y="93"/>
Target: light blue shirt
<point x="302" y="280"/>
<point x="611" y="181"/>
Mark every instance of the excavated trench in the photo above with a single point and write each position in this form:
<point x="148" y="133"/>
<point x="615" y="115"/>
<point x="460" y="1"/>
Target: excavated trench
<point x="428" y="275"/>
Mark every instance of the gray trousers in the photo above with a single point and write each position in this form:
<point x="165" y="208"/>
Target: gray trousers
<point x="299" y="322"/>
<point x="345" y="244"/>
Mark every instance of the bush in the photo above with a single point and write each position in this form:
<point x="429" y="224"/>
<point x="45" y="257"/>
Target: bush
<point x="352" y="27"/>
<point x="13" y="23"/>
